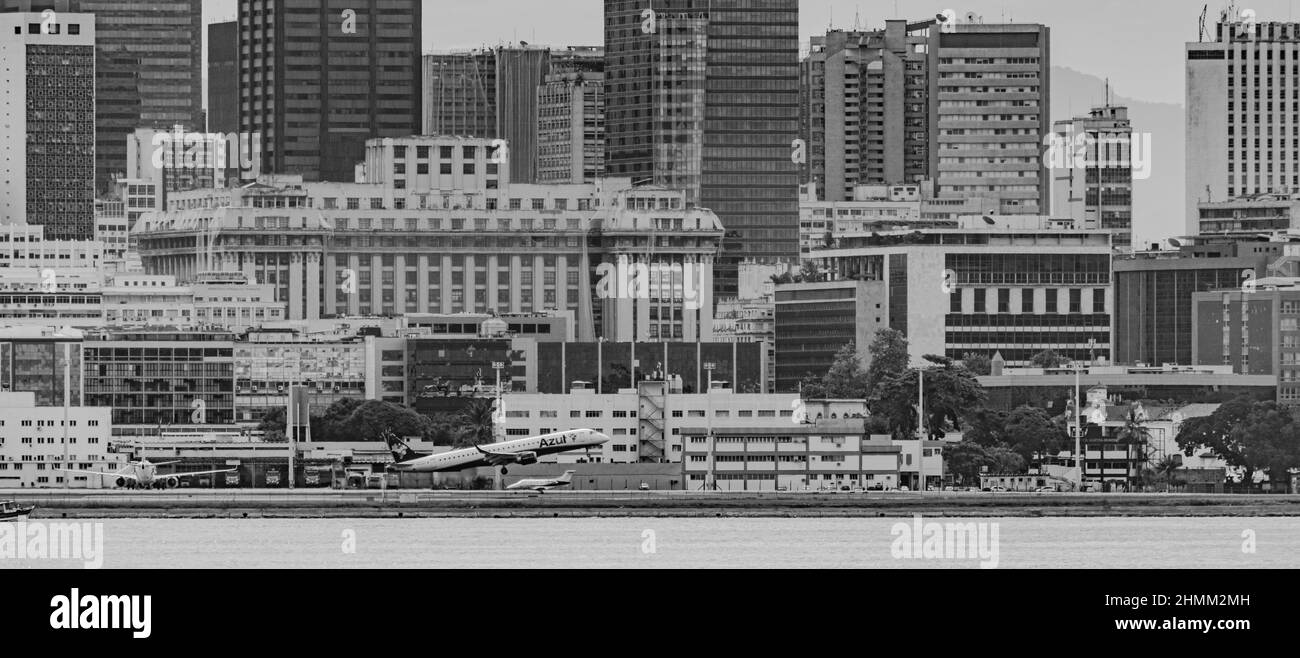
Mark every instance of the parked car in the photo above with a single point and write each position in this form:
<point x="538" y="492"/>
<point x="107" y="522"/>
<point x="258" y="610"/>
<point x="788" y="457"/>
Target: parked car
<point x="904" y="488"/>
<point x="1044" y="490"/>
<point x="997" y="489"/>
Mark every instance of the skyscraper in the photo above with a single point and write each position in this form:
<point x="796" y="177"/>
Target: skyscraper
<point x="47" y="105"/>
<point x="1242" y="114"/>
<point x="703" y="95"/>
<point x="991" y="113"/>
<point x="866" y="99"/>
<point x="460" y="94"/>
<point x="571" y="118"/>
<point x="149" y="56"/>
<point x="223" y="78"/>
<point x="317" y="81"/>
<point x="1100" y="192"/>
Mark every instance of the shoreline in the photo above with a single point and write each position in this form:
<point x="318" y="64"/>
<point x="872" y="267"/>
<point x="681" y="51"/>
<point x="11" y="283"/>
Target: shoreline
<point x="328" y="504"/>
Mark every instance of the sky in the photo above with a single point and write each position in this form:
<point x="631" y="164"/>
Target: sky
<point x="1137" y="44"/>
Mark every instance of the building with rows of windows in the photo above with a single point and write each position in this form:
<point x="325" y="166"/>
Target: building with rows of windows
<point x="437" y="228"/>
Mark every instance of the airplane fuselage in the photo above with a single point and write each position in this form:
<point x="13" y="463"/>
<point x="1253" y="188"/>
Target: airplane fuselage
<point x="537" y="446"/>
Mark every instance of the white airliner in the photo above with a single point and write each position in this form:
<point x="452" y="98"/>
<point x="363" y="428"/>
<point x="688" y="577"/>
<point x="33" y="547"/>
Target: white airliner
<point x="517" y="451"/>
<point x="540" y="485"/>
<point x="144" y="475"/>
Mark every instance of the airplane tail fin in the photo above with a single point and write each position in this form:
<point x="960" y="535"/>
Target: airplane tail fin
<point x="401" y="451"/>
<point x="567" y="477"/>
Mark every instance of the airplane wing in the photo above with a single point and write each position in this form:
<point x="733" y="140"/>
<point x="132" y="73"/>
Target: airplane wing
<point x="498" y="458"/>
<point x="182" y="475"/>
<point x="102" y="474"/>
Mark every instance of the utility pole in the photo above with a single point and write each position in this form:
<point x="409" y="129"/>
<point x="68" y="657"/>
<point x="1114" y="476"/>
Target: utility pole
<point x="1078" y="428"/>
<point x="920" y="426"/>
<point x="711" y="480"/>
<point x="67" y="400"/>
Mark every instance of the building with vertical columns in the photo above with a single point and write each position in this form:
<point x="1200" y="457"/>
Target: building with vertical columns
<point x="438" y="229"/>
<point x="47" y="108"/>
<point x="460" y="93"/>
<point x="571" y="118"/>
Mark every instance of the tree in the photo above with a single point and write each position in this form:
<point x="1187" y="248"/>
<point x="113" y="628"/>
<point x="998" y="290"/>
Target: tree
<point x="1048" y="359"/>
<point x="813" y="387"/>
<point x="477" y="422"/>
<point x="889" y="356"/>
<point x="965" y="461"/>
<point x="950" y="392"/>
<point x="1005" y="460"/>
<point x="980" y="365"/>
<point x="1032" y="434"/>
<point x="846" y="380"/>
<point x="1247" y="434"/>
<point x="986" y="427"/>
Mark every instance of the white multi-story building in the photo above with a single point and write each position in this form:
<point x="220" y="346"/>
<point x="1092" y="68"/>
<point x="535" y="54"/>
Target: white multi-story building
<point x="873" y="207"/>
<point x="32" y="444"/>
<point x="1010" y="284"/>
<point x="1096" y="192"/>
<point x="1243" y="132"/>
<point x="457" y="240"/>
<point x="644" y="424"/>
<point x="24" y="246"/>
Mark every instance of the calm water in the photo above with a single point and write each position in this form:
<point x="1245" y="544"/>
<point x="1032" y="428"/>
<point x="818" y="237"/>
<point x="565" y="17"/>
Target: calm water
<point x="712" y="542"/>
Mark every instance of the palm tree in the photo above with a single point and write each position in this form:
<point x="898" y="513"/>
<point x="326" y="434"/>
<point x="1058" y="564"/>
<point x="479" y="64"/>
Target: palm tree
<point x="477" y="424"/>
<point x="1135" y="433"/>
<point x="1167" y="469"/>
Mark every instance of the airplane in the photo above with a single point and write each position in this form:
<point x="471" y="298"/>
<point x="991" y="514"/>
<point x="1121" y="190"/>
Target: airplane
<point x="540" y="485"/>
<point x="516" y="451"/>
<point x="144" y="475"/>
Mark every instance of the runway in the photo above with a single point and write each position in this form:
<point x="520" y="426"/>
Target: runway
<point x="311" y="503"/>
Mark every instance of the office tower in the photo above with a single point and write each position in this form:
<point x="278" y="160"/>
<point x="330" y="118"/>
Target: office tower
<point x="571" y="118"/>
<point x="991" y="113"/>
<point x="520" y="72"/>
<point x="705" y="98"/>
<point x="47" y="107"/>
<point x="148" y="70"/>
<point x="867" y="108"/>
<point x="1242" y="116"/>
<point x="460" y="94"/>
<point x="1097" y="189"/>
<point x="316" y="82"/>
<point x="223" y="78"/>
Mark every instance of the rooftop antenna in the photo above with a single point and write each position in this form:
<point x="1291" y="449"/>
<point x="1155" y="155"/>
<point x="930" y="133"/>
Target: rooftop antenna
<point x="856" y="10"/>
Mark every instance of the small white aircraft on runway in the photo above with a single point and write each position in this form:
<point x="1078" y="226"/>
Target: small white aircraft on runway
<point x="144" y="475"/>
<point x="540" y="485"/>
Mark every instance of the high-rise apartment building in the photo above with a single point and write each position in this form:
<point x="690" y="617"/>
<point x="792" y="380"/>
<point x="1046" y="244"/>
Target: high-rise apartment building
<point x="47" y="108"/>
<point x="319" y="79"/>
<point x="1243" y="120"/>
<point x="148" y="69"/>
<point x="703" y="96"/>
<point x="1097" y="189"/>
<point x="991" y="115"/>
<point x="866" y="103"/>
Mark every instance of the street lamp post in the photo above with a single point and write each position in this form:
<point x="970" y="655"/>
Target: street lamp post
<point x="497" y="366"/>
<point x="1078" y="427"/>
<point x="710" y="480"/>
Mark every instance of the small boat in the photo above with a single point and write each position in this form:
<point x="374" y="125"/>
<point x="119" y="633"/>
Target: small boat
<point x="12" y="511"/>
